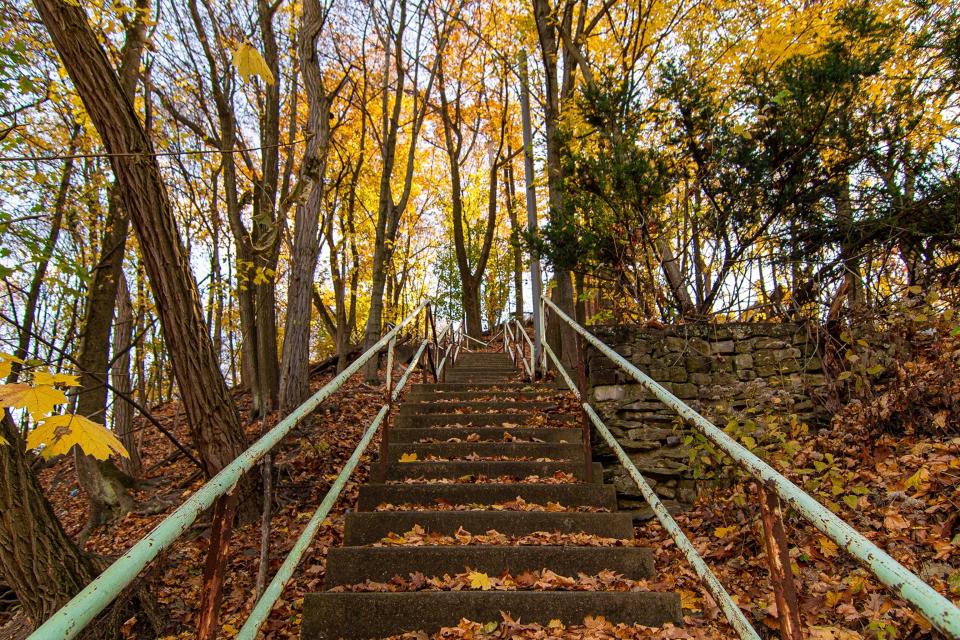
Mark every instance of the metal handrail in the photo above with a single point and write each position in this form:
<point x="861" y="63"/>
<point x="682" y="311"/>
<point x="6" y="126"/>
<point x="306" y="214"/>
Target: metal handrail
<point x="263" y="607"/>
<point x="734" y="615"/>
<point x="479" y="342"/>
<point x="531" y="368"/>
<point x="74" y="616"/>
<point x="937" y="609"/>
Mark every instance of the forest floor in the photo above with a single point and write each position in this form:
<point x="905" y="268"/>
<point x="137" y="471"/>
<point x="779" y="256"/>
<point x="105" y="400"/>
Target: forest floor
<point x="901" y="491"/>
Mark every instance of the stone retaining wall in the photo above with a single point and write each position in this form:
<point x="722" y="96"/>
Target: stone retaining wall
<point x="722" y="370"/>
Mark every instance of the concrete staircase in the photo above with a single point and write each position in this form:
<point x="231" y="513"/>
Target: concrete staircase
<point x="481" y="399"/>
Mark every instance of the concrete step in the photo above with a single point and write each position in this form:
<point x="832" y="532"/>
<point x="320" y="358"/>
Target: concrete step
<point x="476" y="407"/>
<point x="369" y="527"/>
<point x="327" y="616"/>
<point x="552" y="450"/>
<point x="569" y="495"/>
<point x="488" y="468"/>
<point x="423" y="397"/>
<point x="480" y="419"/>
<point x="446" y="387"/>
<point x="353" y="565"/>
<point x="487" y="434"/>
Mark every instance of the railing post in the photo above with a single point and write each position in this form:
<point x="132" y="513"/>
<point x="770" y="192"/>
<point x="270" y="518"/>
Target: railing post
<point x="212" y="595"/>
<point x="778" y="560"/>
<point x="385" y="435"/>
<point x="585" y="419"/>
<point x="389" y="381"/>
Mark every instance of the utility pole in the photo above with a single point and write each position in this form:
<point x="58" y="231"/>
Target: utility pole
<point x="535" y="284"/>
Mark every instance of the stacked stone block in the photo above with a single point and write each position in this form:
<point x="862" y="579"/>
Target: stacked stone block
<point x="722" y="370"/>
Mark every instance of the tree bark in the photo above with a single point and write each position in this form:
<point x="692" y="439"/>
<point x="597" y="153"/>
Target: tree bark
<point x="120" y="379"/>
<point x="516" y="247"/>
<point x="104" y="484"/>
<point x="294" y="381"/>
<point x="546" y="30"/>
<point x="211" y="413"/>
<point x="38" y="560"/>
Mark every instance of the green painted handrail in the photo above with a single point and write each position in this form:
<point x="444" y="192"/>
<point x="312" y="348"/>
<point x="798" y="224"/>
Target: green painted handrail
<point x="261" y="611"/>
<point x="73" y="617"/>
<point x="730" y="609"/>
<point x="941" y="613"/>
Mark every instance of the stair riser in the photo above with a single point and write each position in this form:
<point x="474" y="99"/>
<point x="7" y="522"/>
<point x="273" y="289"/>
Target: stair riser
<point x="353" y="616"/>
<point x="353" y="565"/>
<point x="493" y="434"/>
<point x="444" y="387"/>
<point x="421" y="397"/>
<point x="489" y="419"/>
<point x="490" y="469"/>
<point x="371" y="527"/>
<point x="568" y="495"/>
<point x="407" y="409"/>
<point x="571" y="452"/>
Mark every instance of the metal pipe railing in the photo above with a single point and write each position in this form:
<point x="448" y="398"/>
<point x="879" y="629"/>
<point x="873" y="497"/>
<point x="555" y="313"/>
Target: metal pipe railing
<point x="531" y="369"/>
<point x="479" y="342"/>
<point x="73" y="617"/>
<point x="261" y="610"/>
<point x="937" y="609"/>
<point x="730" y="609"/>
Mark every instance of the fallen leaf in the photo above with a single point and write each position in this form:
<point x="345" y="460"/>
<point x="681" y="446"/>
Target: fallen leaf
<point x="479" y="580"/>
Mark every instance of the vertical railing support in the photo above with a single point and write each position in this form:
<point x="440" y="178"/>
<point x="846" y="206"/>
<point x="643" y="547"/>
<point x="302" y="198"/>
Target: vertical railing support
<point x="385" y="435"/>
<point x="389" y="381"/>
<point x="778" y="559"/>
<point x="221" y="529"/>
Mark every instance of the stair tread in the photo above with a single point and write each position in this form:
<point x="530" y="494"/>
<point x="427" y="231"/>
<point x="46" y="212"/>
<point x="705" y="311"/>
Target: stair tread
<point x="486" y="433"/>
<point x="353" y="565"/>
<point x="568" y="495"/>
<point x="338" y="615"/>
<point x="552" y="450"/>
<point x="370" y="527"/>
<point x="490" y="468"/>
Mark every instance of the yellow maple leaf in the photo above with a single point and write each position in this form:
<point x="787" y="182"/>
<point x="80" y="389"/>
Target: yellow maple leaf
<point x="408" y="457"/>
<point x="828" y="547"/>
<point x="479" y="580"/>
<point x="66" y="379"/>
<point x="39" y="400"/>
<point x="918" y="479"/>
<point x="689" y="600"/>
<point x="723" y="532"/>
<point x="249" y="62"/>
<point x="58" y="434"/>
<point x="3" y="441"/>
<point x="5" y="367"/>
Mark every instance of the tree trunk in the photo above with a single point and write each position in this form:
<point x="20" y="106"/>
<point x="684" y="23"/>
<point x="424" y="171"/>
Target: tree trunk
<point x="294" y="386"/>
<point x="471" y="308"/>
<point x="516" y="246"/>
<point x="38" y="560"/>
<point x="546" y="30"/>
<point x="120" y="379"/>
<point x="106" y="493"/>
<point x="210" y="411"/>
<point x="104" y="484"/>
